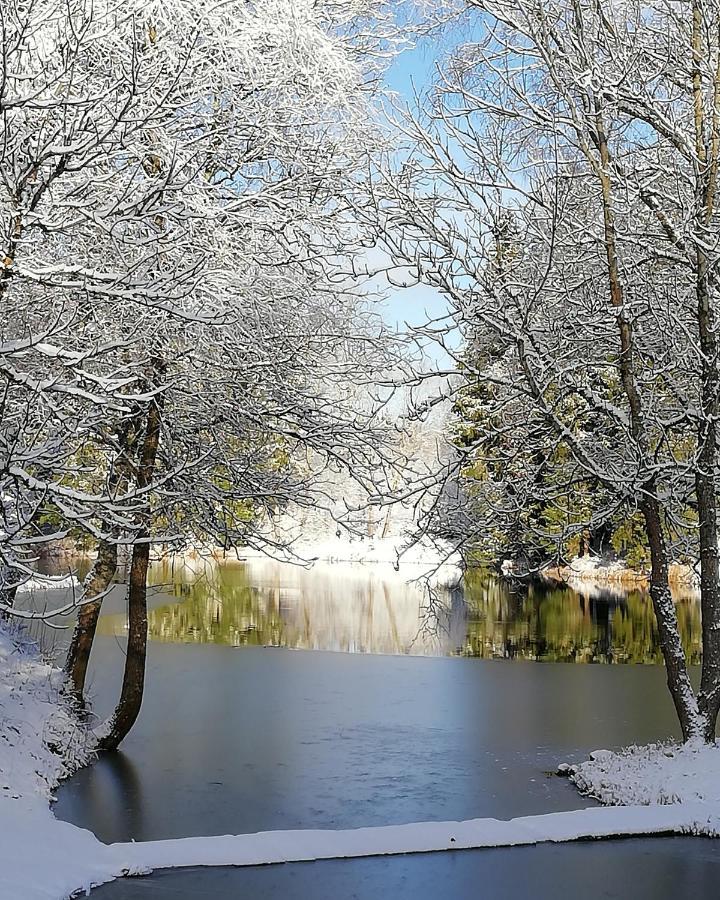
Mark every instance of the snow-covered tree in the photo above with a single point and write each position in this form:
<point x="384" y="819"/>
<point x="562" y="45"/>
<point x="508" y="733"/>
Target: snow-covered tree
<point x="177" y="202"/>
<point x="590" y="334"/>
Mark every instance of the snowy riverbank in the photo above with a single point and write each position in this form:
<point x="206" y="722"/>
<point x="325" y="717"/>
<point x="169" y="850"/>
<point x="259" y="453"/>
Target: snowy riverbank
<point x="41" y="742"/>
<point x="654" y="775"/>
<point x="592" y="572"/>
<point x="390" y="557"/>
<point x="435" y="562"/>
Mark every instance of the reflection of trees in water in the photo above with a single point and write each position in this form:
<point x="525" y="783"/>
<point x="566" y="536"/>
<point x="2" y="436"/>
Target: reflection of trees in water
<point x="265" y="603"/>
<point x="556" y="623"/>
<point x="219" y="605"/>
<point x="111" y="793"/>
<point x="360" y="610"/>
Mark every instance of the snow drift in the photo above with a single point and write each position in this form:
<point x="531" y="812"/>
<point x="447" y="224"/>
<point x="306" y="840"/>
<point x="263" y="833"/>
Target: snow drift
<point x="657" y="774"/>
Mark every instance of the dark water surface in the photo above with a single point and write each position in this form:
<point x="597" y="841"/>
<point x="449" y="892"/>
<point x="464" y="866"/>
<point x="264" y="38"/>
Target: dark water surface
<point x="235" y="738"/>
<point x="663" y="869"/>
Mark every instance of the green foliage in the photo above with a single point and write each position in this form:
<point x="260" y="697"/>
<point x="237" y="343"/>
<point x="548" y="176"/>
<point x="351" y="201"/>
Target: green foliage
<point x="629" y="541"/>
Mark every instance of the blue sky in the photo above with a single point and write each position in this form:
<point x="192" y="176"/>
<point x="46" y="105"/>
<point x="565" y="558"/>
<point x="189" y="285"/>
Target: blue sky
<point x="413" y="67"/>
<point x="412" y="72"/>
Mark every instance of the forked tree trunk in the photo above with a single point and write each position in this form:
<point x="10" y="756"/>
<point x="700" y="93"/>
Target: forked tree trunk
<point x="113" y="732"/>
<point x="103" y="571"/>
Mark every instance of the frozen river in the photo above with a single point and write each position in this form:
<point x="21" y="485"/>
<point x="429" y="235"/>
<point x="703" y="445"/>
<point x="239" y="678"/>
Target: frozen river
<point x="236" y="738"/>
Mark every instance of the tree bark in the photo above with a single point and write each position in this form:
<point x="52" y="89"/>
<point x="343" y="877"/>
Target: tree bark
<point x="705" y="480"/>
<point x="131" y="695"/>
<point x="114" y="731"/>
<point x="103" y="571"/>
<point x="706" y="496"/>
<point x="678" y="680"/>
<point x="97" y="582"/>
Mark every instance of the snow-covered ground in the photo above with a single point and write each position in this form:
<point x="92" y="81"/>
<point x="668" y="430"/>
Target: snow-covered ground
<point x="40" y="582"/>
<point x="594" y="567"/>
<point x="390" y="556"/>
<point x="657" y="774"/>
<point x="41" y="742"/>
<point x="669" y="789"/>
<point x="592" y="575"/>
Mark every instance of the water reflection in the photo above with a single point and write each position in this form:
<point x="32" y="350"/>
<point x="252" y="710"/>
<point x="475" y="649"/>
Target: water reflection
<point x="559" y="624"/>
<point x="370" y="610"/>
<point x="113" y="793"/>
<point x="349" y="609"/>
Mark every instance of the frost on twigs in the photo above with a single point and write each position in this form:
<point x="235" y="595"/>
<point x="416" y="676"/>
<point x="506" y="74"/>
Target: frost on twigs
<point x="656" y="774"/>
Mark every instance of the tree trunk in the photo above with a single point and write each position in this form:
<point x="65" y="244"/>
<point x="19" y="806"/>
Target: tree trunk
<point x="131" y="696"/>
<point x="705" y="487"/>
<point x="97" y="582"/>
<point x="678" y="680"/>
<point x="600" y="539"/>
<point x="103" y="571"/>
<point x="709" y="695"/>
<point x="113" y="732"/>
<point x="706" y="495"/>
<point x="584" y="548"/>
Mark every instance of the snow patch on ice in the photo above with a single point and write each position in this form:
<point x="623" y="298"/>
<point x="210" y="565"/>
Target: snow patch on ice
<point x="272" y="847"/>
<point x="652" y="775"/>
